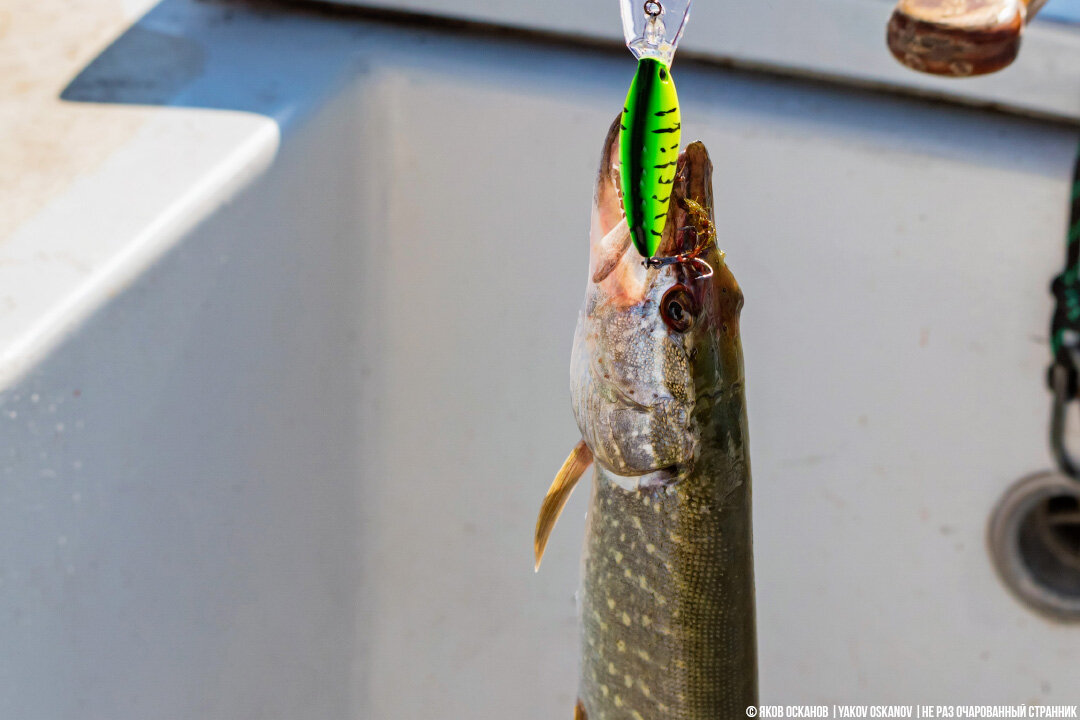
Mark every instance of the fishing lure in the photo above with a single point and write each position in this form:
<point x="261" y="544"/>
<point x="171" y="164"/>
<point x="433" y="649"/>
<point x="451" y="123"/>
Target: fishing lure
<point x="651" y="120"/>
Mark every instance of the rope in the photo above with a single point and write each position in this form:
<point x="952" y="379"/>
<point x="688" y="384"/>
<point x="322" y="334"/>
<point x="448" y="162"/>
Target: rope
<point x="1065" y="324"/>
<point x="1064" y="374"/>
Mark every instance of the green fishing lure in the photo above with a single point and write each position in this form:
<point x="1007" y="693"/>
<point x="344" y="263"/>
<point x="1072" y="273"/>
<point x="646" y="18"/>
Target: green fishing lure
<point x="651" y="120"/>
<point x="649" y="152"/>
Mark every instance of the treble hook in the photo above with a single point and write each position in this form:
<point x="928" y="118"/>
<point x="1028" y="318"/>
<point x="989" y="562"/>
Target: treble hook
<point x="685" y="259"/>
<point x="688" y="258"/>
<point x="1063" y="381"/>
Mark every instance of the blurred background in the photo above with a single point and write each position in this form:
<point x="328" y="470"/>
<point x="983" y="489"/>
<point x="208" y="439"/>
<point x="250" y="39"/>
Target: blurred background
<point x="287" y="295"/>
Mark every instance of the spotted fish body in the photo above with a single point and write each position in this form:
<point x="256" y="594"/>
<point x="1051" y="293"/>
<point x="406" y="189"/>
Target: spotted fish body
<point x="668" y="588"/>
<point x="649" y="148"/>
<point x="667" y="595"/>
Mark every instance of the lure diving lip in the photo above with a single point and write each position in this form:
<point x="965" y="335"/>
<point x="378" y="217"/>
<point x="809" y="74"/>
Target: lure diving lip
<point x="651" y="122"/>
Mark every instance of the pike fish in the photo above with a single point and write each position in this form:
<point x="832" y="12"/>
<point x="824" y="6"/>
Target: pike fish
<point x="657" y="384"/>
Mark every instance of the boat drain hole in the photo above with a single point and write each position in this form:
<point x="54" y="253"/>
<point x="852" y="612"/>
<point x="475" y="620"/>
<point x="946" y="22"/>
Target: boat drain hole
<point x="1035" y="543"/>
<point x="1049" y="544"/>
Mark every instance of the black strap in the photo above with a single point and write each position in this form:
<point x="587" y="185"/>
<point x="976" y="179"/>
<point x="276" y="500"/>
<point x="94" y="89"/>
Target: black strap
<point x="1064" y="374"/>
<point x="1065" y="324"/>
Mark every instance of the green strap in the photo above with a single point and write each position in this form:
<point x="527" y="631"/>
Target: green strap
<point x="1066" y="288"/>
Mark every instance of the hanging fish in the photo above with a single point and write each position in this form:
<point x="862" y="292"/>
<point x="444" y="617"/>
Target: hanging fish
<point x="651" y="121"/>
<point x="667" y="595"/>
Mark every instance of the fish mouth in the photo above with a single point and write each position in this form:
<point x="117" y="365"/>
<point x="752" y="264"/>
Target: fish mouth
<point x="611" y="237"/>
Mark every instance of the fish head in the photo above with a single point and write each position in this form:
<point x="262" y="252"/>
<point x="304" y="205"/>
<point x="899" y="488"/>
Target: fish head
<point x="641" y="331"/>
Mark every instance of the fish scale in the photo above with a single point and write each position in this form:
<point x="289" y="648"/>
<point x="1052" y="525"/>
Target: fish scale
<point x="679" y="567"/>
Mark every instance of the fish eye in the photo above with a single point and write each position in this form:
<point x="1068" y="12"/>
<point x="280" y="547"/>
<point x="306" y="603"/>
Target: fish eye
<point x="677" y="309"/>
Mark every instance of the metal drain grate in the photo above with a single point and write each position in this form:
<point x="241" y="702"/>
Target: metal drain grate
<point x="1049" y="544"/>
<point x="1035" y="543"/>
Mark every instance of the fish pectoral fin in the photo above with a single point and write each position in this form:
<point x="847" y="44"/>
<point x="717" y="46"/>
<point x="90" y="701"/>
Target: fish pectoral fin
<point x="557" y="495"/>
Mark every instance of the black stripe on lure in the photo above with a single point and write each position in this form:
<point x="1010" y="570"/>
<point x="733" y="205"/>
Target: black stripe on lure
<point x="651" y="119"/>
